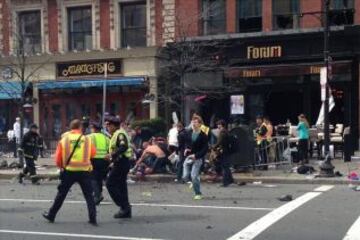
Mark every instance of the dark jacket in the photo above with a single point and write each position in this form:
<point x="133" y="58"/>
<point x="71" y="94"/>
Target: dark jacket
<point x="223" y="141"/>
<point x="200" y="146"/>
<point x="30" y="145"/>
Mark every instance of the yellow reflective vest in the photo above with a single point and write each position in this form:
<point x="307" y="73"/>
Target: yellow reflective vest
<point x="114" y="141"/>
<point x="101" y="142"/>
<point x="80" y="160"/>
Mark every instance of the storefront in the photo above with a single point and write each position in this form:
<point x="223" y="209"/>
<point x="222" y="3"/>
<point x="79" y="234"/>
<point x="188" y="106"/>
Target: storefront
<point x="278" y="75"/>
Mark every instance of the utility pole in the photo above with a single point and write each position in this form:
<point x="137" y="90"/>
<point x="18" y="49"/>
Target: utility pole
<point x="104" y="95"/>
<point x="326" y="168"/>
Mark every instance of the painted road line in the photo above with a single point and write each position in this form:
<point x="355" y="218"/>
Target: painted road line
<point x="354" y="231"/>
<point x="324" y="188"/>
<point x="257" y="227"/>
<point x="142" y="204"/>
<point x="74" y="235"/>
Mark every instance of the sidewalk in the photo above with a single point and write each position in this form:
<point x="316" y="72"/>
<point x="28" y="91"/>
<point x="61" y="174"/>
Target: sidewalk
<point x="46" y="169"/>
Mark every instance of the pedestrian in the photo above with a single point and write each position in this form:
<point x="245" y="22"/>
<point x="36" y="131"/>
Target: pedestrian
<point x="303" y="133"/>
<point x="73" y="154"/>
<point x="183" y="139"/>
<point x="222" y="147"/>
<point x="16" y="140"/>
<point x="173" y="139"/>
<point x="29" y="148"/>
<point x="262" y="143"/>
<point x="100" y="165"/>
<point x="120" y="152"/>
<point x="195" y="152"/>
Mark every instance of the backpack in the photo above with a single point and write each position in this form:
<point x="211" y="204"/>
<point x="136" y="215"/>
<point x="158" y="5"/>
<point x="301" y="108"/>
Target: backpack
<point x="233" y="142"/>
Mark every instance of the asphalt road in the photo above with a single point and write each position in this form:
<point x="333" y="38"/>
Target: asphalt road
<point x="167" y="211"/>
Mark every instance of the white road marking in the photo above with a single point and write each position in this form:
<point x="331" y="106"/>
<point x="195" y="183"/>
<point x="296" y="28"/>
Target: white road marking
<point x="257" y="227"/>
<point x="142" y="204"/>
<point x="354" y="231"/>
<point x="323" y="188"/>
<point x="74" y="235"/>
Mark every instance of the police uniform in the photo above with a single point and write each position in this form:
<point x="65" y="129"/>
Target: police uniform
<point x="30" y="149"/>
<point x="100" y="165"/>
<point x="76" y="170"/>
<point x="120" y="151"/>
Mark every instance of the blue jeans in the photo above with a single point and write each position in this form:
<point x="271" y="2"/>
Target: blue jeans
<point x="193" y="168"/>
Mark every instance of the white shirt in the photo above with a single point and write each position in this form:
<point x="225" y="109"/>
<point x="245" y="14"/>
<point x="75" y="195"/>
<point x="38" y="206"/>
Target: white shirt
<point x="172" y="137"/>
<point x="17" y="130"/>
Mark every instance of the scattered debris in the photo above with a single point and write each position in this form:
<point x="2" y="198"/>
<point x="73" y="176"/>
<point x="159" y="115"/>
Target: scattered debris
<point x="235" y="202"/>
<point x="3" y="164"/>
<point x="242" y="183"/>
<point x="146" y="194"/>
<point x="257" y="183"/>
<point x="209" y="227"/>
<point x="286" y="198"/>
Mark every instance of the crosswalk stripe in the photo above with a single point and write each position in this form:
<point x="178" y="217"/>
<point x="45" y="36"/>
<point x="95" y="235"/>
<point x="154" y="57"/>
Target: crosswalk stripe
<point x="324" y="188"/>
<point x="257" y="227"/>
<point x="354" y="231"/>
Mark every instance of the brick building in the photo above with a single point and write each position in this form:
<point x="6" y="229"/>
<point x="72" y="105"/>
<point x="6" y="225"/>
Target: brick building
<point x="270" y="58"/>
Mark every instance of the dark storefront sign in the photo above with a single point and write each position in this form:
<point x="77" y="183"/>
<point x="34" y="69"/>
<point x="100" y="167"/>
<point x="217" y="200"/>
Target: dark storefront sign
<point x="285" y="70"/>
<point x="88" y="68"/>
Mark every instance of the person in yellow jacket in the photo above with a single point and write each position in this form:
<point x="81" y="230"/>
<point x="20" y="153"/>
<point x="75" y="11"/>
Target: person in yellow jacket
<point x="73" y="154"/>
<point x="100" y="165"/>
<point x="120" y="152"/>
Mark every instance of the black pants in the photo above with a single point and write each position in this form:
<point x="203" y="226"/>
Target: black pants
<point x="303" y="151"/>
<point x="100" y="168"/>
<point x="226" y="172"/>
<point x="30" y="167"/>
<point x="67" y="179"/>
<point x="117" y="185"/>
<point x="179" y="167"/>
<point x="263" y="152"/>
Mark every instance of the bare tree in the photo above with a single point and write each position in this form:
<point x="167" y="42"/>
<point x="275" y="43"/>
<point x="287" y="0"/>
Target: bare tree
<point x="21" y="75"/>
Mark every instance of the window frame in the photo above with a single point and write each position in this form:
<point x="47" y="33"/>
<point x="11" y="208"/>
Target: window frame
<point x="70" y="33"/>
<point x="295" y="16"/>
<point x="19" y="28"/>
<point x="122" y="29"/>
<point x="239" y="17"/>
<point x="334" y="11"/>
<point x="207" y="19"/>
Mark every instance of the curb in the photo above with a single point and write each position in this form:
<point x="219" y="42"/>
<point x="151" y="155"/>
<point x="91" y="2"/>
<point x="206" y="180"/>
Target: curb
<point x="237" y="178"/>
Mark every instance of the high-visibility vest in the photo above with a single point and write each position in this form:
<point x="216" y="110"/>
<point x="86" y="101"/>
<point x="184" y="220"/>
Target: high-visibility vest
<point x="101" y="143"/>
<point x="260" y="138"/>
<point x="80" y="160"/>
<point x="205" y="129"/>
<point x="114" y="141"/>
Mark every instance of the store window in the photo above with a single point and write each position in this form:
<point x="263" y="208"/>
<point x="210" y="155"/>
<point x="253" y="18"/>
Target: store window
<point x="286" y="14"/>
<point x="249" y="15"/>
<point x="133" y="24"/>
<point x="29" y="26"/>
<point x="214" y="17"/>
<point x="80" y="28"/>
<point x="341" y="12"/>
<point x="56" y="116"/>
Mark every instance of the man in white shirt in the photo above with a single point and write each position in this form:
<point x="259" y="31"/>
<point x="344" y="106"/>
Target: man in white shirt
<point x="16" y="132"/>
<point x="173" y="138"/>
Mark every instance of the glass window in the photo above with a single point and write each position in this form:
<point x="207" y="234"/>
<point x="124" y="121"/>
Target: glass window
<point x="341" y="12"/>
<point x="286" y="14"/>
<point x="249" y="15"/>
<point x="80" y="28"/>
<point x="214" y="17"/>
<point x="30" y="31"/>
<point x="133" y="24"/>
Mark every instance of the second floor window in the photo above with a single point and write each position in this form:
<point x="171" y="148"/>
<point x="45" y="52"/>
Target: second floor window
<point x="214" y="17"/>
<point x="249" y="15"/>
<point x="29" y="36"/>
<point x="133" y="24"/>
<point x="285" y="14"/>
<point x="80" y="28"/>
<point x="341" y="12"/>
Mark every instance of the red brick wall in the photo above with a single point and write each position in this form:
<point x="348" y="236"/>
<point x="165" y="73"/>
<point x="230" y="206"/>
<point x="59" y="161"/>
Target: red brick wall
<point x="6" y="26"/>
<point x="187" y="15"/>
<point x="158" y="22"/>
<point x="53" y="26"/>
<point x="267" y="15"/>
<point x="357" y="12"/>
<point x="231" y="16"/>
<point x="310" y="21"/>
<point x="104" y="24"/>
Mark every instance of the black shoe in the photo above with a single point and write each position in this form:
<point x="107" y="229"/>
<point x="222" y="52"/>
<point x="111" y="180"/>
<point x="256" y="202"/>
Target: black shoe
<point x="21" y="178"/>
<point x="98" y="200"/>
<point x="48" y="217"/>
<point x="93" y="222"/>
<point x="123" y="214"/>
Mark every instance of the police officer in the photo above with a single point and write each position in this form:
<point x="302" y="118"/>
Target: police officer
<point x="73" y="154"/>
<point x="100" y="164"/>
<point x="30" y="149"/>
<point x="120" y="152"/>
